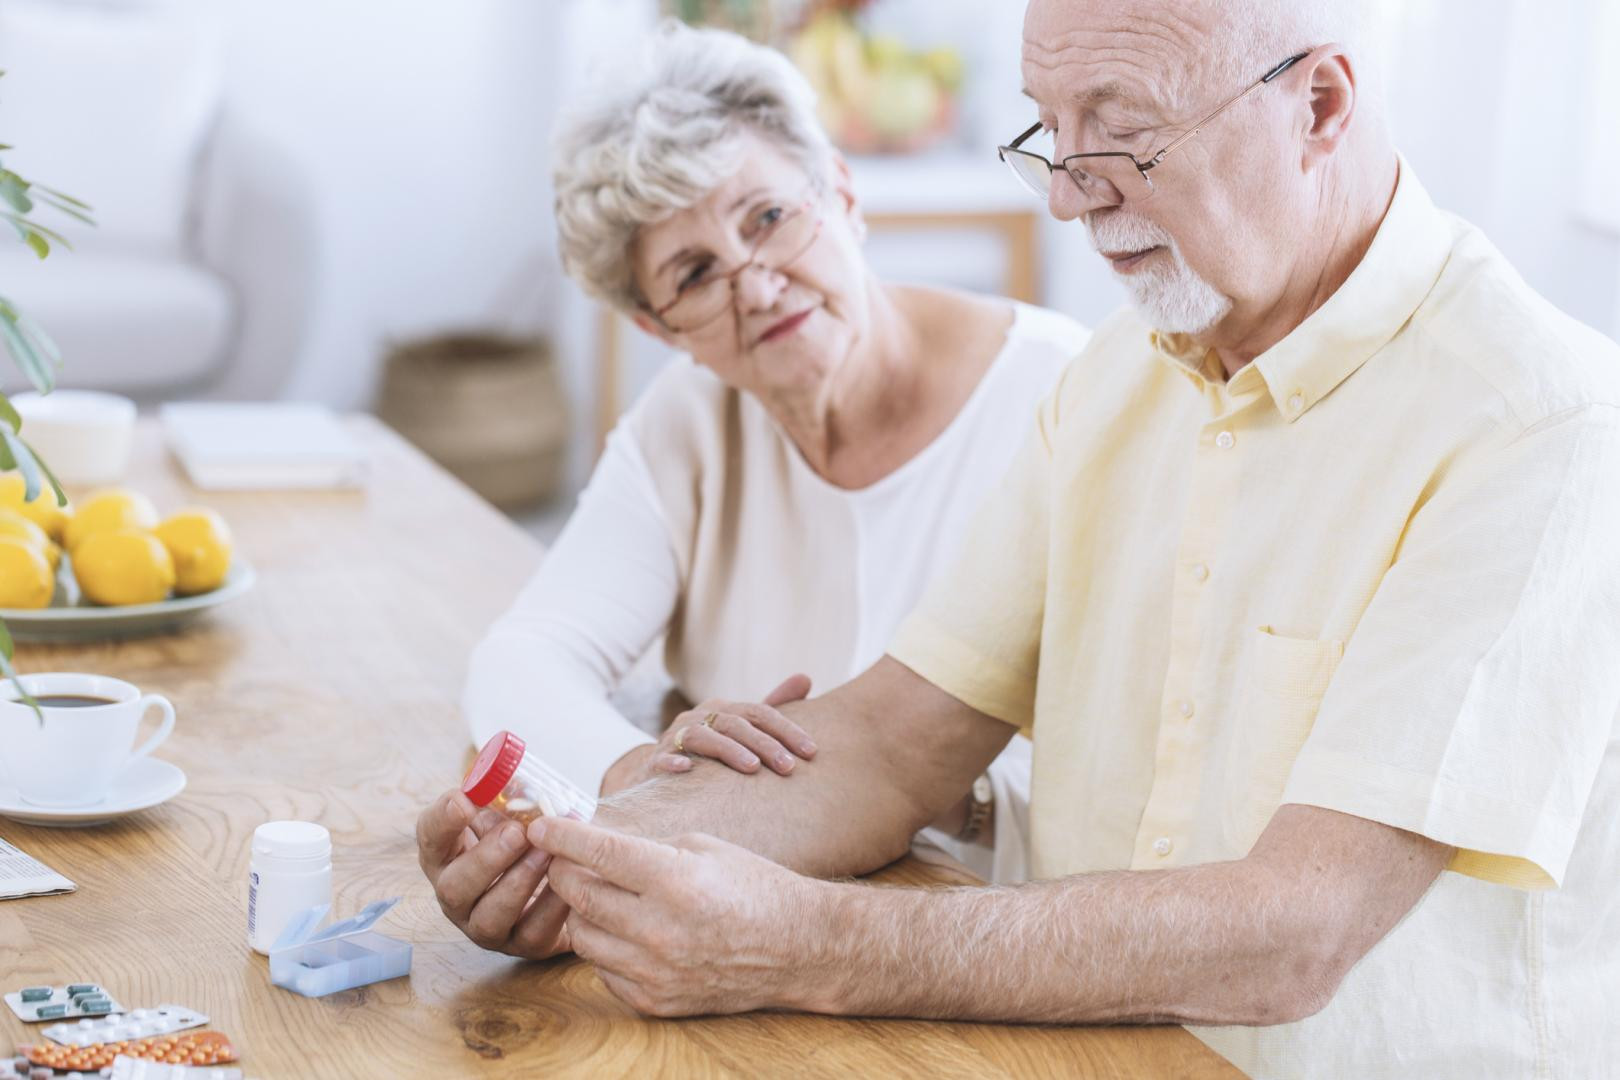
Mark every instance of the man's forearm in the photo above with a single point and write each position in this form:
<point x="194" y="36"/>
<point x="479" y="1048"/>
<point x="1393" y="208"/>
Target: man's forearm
<point x="1261" y="940"/>
<point x="892" y="753"/>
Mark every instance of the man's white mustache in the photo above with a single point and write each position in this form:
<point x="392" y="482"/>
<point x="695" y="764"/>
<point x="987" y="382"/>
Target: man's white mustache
<point x="1121" y="232"/>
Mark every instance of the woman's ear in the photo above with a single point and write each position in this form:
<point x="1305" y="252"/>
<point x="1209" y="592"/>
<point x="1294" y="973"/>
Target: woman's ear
<point x="843" y="183"/>
<point x="649" y="325"/>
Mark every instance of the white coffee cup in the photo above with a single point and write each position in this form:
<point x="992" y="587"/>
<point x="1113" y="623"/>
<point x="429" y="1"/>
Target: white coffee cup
<point x="75" y="755"/>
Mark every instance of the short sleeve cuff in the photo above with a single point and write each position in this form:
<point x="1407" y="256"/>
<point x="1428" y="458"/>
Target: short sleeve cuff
<point x="1497" y="841"/>
<point x="976" y="680"/>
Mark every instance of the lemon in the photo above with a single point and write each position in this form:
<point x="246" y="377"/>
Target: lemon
<point x="43" y="511"/>
<point x="26" y="580"/>
<point x="199" y="541"/>
<point x="115" y="508"/>
<point x="14" y="525"/>
<point x="123" y="566"/>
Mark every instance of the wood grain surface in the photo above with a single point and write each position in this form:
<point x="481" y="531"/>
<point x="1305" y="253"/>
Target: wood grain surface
<point x="329" y="694"/>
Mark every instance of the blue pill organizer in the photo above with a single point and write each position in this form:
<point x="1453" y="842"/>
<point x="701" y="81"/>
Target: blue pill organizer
<point x="344" y="955"/>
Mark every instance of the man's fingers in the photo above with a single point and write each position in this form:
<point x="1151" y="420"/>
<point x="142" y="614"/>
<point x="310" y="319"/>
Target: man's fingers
<point x="469" y="876"/>
<point x="627" y="861"/>
<point x="793" y="688"/>
<point x="438" y="831"/>
<point x="540" y="932"/>
<point x="495" y="914"/>
<point x="595" y="899"/>
<point x="608" y="951"/>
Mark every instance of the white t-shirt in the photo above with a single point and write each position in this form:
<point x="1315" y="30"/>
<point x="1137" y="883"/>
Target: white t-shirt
<point x="703" y="524"/>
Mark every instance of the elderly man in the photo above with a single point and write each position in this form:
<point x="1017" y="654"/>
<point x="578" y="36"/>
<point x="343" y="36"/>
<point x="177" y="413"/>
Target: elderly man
<point x="1304" y="584"/>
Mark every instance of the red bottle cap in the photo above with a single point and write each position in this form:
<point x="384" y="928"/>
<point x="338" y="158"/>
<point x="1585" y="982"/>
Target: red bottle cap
<point x="496" y="763"/>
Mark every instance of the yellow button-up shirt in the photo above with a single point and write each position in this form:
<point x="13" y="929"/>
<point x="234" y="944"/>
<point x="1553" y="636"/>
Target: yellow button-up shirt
<point x="1378" y="571"/>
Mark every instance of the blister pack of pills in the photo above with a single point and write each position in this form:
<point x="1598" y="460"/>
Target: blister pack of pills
<point x="128" y="1068"/>
<point x="22" y="1069"/>
<point x="182" y="1048"/>
<point x="35" y="1004"/>
<point x="137" y="1024"/>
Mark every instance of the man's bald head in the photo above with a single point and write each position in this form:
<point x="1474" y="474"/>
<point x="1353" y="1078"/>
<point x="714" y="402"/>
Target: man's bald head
<point x="1228" y="222"/>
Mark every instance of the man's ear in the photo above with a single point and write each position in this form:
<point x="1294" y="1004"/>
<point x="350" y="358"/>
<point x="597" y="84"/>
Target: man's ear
<point x="1330" y="79"/>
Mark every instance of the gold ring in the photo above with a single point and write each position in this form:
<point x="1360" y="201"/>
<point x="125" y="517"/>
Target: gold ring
<point x="708" y="721"/>
<point x="680" y="740"/>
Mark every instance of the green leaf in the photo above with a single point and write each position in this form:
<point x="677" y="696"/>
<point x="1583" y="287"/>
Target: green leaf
<point x="36" y="369"/>
<point x="37" y="337"/>
<point x="8" y="413"/>
<point x="6" y="651"/>
<point x="14" y="189"/>
<point x="56" y="485"/>
<point x="23" y="460"/>
<point x="41" y="246"/>
<point x="68" y="210"/>
<point x="64" y="196"/>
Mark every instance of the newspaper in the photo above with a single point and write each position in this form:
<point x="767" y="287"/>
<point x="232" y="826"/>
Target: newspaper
<point x="23" y="875"/>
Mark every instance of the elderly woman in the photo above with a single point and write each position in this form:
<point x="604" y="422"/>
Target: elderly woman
<point x="775" y="503"/>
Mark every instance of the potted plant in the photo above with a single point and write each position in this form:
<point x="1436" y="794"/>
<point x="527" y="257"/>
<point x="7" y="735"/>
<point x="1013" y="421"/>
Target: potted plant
<point x="31" y="350"/>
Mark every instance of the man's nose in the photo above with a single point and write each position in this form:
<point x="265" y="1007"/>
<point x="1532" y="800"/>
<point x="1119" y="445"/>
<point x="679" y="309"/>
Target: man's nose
<point x="1067" y="200"/>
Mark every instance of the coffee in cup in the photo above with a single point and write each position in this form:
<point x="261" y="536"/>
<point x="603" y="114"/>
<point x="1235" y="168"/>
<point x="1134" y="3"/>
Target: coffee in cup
<point x="86" y="740"/>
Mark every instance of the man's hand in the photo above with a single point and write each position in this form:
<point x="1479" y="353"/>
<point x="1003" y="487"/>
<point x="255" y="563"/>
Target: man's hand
<point x="691" y="926"/>
<point x="488" y="879"/>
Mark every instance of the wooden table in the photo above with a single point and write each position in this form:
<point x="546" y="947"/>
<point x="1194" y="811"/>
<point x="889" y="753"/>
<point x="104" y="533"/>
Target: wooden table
<point x="329" y="694"/>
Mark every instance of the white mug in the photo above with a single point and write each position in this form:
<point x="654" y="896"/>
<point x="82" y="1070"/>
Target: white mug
<point x="75" y="755"/>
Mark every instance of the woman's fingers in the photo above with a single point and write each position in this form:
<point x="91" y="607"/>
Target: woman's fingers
<point x="793" y="688"/>
<point x="788" y="734"/>
<point x="671" y="763"/>
<point x="763" y="745"/>
<point x="711" y="742"/>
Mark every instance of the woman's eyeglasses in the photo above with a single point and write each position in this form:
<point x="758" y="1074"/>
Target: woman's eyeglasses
<point x="704" y="295"/>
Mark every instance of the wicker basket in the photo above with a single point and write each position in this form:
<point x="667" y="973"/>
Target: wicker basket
<point x="490" y="409"/>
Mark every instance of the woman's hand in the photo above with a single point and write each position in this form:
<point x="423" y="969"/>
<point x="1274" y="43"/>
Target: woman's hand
<point x="739" y="734"/>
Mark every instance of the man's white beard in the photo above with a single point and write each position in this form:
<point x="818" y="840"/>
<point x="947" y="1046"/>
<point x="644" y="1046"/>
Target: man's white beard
<point x="1165" y="290"/>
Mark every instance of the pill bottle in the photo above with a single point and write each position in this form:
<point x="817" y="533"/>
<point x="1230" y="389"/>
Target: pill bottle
<point x="507" y="778"/>
<point x="290" y="871"/>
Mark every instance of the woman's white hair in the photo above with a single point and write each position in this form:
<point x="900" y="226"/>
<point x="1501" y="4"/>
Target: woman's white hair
<point x="658" y="132"/>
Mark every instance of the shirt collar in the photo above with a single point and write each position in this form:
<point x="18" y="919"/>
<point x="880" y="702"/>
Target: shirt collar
<point x="1398" y="271"/>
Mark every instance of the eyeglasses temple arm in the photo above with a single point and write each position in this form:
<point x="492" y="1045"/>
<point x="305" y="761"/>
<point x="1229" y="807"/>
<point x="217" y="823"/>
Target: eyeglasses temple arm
<point x="1189" y="133"/>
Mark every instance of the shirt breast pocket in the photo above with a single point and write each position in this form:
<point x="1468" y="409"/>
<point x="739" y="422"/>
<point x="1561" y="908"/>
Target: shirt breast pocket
<point x="1278" y="692"/>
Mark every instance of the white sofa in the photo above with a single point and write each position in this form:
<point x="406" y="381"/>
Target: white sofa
<point x="197" y="279"/>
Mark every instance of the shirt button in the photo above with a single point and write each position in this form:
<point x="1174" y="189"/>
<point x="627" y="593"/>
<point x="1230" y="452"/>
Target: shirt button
<point x="1200" y="572"/>
<point x="1225" y="440"/>
<point x="1185" y="708"/>
<point x="1296" y="403"/>
<point x="1161" y="846"/>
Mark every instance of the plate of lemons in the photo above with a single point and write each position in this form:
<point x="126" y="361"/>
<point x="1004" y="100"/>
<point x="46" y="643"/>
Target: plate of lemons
<point x="110" y="566"/>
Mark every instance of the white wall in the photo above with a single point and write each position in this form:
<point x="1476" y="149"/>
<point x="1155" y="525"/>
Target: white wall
<point x="423" y="126"/>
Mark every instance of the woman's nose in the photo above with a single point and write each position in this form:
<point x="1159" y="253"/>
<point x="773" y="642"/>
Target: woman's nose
<point x="758" y="288"/>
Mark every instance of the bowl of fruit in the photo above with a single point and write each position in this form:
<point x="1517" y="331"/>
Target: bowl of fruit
<point x="110" y="566"/>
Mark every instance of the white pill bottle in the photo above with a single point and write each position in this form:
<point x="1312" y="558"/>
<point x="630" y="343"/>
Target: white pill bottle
<point x="290" y="870"/>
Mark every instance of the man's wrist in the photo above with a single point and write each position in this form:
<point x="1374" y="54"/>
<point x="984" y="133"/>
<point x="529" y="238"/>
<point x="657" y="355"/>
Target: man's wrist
<point x="626" y="772"/>
<point x="829" y="938"/>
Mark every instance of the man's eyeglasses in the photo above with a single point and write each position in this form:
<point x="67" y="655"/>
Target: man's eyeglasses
<point x="1114" y="177"/>
<point x="704" y="295"/>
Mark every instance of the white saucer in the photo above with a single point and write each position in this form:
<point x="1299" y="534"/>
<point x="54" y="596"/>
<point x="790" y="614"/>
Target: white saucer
<point x="144" y="784"/>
